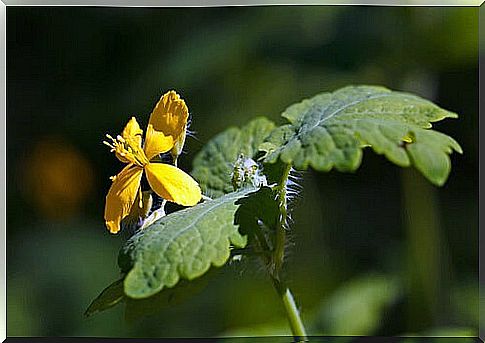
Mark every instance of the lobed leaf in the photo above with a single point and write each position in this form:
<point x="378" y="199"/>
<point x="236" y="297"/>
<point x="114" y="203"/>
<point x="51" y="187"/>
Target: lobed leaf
<point x="183" y="244"/>
<point x="331" y="129"/>
<point x="213" y="165"/>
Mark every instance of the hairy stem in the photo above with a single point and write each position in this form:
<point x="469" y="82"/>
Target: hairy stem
<point x="277" y="258"/>
<point x="280" y="239"/>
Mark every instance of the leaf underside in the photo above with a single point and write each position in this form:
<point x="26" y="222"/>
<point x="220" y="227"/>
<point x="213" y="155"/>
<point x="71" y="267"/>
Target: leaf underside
<point x="214" y="164"/>
<point x="331" y="129"/>
<point x="109" y="297"/>
<point x="183" y="244"/>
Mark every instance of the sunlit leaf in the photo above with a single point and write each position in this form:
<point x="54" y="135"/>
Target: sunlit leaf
<point x="183" y="245"/>
<point x="331" y="129"/>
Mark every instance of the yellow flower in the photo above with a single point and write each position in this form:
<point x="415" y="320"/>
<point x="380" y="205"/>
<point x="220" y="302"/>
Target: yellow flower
<point x="166" y="180"/>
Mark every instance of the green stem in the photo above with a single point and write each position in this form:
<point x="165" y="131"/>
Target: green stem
<point x="296" y="324"/>
<point x="277" y="259"/>
<point x="292" y="312"/>
<point x="280" y="239"/>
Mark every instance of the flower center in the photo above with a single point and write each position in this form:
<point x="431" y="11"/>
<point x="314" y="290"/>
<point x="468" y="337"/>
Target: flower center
<point x="128" y="150"/>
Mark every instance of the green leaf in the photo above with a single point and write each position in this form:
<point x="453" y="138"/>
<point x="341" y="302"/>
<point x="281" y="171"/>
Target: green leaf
<point x="183" y="244"/>
<point x="331" y="129"/>
<point x="136" y="309"/>
<point x="213" y="165"/>
<point x="108" y="298"/>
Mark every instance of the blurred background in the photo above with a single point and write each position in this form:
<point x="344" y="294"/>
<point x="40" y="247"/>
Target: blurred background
<point x="376" y="252"/>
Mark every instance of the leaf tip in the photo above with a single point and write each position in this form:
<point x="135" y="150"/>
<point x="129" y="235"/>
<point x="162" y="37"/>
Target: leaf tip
<point x="439" y="182"/>
<point x="457" y="147"/>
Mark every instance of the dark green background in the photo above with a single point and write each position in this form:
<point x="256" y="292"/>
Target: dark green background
<point x="376" y="252"/>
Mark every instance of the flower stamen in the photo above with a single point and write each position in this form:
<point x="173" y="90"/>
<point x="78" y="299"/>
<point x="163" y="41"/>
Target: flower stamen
<point x="126" y="150"/>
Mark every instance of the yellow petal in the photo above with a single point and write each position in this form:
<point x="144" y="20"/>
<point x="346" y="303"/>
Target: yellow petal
<point x="132" y="132"/>
<point x="173" y="184"/>
<point x="156" y="142"/>
<point x="121" y="196"/>
<point x="170" y="116"/>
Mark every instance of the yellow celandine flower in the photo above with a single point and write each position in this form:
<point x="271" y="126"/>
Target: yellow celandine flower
<point x="165" y="131"/>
